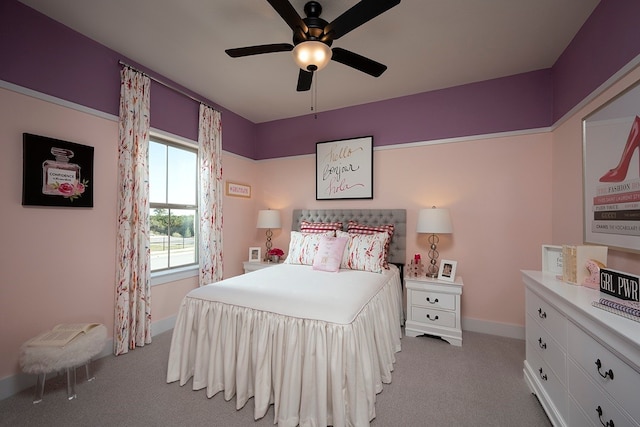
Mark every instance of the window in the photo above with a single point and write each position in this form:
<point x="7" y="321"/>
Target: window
<point x="173" y="204"/>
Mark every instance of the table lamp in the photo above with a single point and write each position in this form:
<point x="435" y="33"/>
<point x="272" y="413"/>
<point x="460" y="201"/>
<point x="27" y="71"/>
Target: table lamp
<point x="268" y="218"/>
<point x="434" y="221"/>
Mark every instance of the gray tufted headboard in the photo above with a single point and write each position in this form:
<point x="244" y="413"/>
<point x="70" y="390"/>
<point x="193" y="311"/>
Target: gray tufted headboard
<point x="397" y="217"/>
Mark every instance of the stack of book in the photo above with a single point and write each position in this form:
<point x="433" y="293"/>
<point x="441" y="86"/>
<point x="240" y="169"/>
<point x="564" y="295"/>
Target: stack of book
<point x="616" y="208"/>
<point x="628" y="309"/>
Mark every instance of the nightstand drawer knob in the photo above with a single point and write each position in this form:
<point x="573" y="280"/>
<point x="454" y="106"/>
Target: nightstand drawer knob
<point x="432" y="302"/>
<point x="432" y="319"/>
<point x="606" y="374"/>
<point x="608" y="423"/>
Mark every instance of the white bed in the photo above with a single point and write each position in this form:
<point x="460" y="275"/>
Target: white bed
<point x="318" y="345"/>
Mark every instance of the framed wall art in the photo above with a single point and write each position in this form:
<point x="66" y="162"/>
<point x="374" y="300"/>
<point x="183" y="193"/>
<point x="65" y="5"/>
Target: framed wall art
<point x="56" y="172"/>
<point x="611" y="141"/>
<point x="344" y="169"/>
<point x="447" y="270"/>
<point x="236" y="189"/>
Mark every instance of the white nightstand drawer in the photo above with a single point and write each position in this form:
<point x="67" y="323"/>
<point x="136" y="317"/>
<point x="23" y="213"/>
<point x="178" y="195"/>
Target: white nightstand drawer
<point x="547" y="317"/>
<point x="624" y="387"/>
<point x="540" y="341"/>
<point x="434" y="300"/>
<point x="593" y="401"/>
<point x="433" y="317"/>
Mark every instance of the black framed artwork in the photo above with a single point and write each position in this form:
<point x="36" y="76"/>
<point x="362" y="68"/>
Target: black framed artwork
<point x="344" y="169"/>
<point x="56" y="172"/>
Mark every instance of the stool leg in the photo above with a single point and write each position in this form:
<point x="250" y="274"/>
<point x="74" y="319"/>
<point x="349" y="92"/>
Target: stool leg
<point x="71" y="383"/>
<point x="89" y="377"/>
<point x="39" y="388"/>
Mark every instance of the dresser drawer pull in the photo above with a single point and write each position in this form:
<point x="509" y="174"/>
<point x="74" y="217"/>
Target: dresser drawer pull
<point x="543" y="345"/>
<point x="542" y="314"/>
<point x="608" y="423"/>
<point x="432" y="302"/>
<point x="543" y="376"/>
<point x="606" y="374"/>
<point x="432" y="319"/>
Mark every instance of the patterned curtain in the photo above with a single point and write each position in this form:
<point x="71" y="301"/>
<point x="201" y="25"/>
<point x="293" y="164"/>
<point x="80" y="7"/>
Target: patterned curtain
<point x="133" y="286"/>
<point x="210" y="141"/>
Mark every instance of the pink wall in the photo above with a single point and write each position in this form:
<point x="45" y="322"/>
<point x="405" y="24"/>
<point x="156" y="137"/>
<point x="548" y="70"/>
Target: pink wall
<point x="58" y="264"/>
<point x="568" y="219"/>
<point x="499" y="194"/>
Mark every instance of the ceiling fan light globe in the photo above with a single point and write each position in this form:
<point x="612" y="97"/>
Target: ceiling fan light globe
<point x="312" y="55"/>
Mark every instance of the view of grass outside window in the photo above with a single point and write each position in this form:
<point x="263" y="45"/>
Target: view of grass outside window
<point x="173" y="205"/>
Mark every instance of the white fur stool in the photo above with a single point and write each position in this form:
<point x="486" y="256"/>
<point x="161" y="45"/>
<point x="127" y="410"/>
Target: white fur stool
<point x="43" y="360"/>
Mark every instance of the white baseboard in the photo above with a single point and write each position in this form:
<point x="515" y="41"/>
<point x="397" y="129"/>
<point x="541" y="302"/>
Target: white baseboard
<point x="14" y="384"/>
<point x="493" y="328"/>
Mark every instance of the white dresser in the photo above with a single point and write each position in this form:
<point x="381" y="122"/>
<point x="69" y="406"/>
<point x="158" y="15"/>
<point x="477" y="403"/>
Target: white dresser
<point x="582" y="362"/>
<point x="434" y="308"/>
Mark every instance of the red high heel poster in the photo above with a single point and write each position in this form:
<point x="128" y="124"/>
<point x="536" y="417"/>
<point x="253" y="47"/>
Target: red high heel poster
<point x="612" y="173"/>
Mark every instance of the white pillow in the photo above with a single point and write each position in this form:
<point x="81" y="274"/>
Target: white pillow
<point x="364" y="251"/>
<point x="329" y="255"/>
<point x="303" y="247"/>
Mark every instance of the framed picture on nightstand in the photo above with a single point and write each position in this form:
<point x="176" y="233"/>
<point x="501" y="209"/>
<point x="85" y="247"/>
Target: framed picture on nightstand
<point x="447" y="270"/>
<point x="254" y="254"/>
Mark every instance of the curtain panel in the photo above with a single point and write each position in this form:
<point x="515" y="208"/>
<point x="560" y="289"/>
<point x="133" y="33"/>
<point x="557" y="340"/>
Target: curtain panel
<point x="210" y="153"/>
<point x="132" y="325"/>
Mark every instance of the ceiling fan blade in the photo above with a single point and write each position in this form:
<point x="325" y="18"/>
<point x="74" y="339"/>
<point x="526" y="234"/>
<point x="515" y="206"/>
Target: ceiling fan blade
<point x="257" y="50"/>
<point x="362" y="12"/>
<point x="358" y="62"/>
<point x="289" y="14"/>
<point x="304" y="80"/>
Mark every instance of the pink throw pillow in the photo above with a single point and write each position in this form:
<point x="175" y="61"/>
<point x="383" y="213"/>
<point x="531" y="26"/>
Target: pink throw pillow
<point x="329" y="255"/>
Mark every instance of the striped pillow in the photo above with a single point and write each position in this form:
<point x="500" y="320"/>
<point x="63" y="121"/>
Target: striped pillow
<point x="319" y="227"/>
<point x="354" y="228"/>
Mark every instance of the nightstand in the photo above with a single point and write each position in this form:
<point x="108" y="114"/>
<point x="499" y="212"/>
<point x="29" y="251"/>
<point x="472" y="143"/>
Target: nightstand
<point x="433" y="308"/>
<point x="253" y="266"/>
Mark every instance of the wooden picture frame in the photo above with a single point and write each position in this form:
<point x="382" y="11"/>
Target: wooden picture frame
<point x="236" y="189"/>
<point x="447" y="271"/>
<point x="344" y="169"/>
<point x="611" y="185"/>
<point x="552" y="259"/>
<point x="255" y="254"/>
<point x="56" y="172"/>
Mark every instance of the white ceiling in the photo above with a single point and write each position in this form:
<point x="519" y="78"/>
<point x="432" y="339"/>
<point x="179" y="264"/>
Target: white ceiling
<point x="427" y="45"/>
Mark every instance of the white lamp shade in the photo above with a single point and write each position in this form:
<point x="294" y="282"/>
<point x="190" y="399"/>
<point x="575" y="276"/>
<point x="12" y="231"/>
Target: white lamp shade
<point x="434" y="221"/>
<point x="312" y="55"/>
<point x="269" y="218"/>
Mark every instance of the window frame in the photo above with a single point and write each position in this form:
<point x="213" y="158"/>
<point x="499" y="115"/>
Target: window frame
<point x="171" y="274"/>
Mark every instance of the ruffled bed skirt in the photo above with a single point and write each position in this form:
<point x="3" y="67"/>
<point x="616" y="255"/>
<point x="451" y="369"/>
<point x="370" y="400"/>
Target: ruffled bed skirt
<point x="314" y="373"/>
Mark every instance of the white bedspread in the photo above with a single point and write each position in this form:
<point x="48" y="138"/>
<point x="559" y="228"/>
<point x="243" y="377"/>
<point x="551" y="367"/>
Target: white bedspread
<point x="316" y="345"/>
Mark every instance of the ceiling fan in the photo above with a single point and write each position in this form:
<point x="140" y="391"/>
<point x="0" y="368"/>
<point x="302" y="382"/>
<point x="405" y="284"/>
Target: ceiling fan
<point x="313" y="37"/>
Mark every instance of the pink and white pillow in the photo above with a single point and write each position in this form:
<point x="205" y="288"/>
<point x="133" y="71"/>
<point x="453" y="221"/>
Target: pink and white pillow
<point x="303" y="247"/>
<point x="330" y="252"/>
<point x="319" y="227"/>
<point x="364" y="251"/>
<point x="354" y="228"/>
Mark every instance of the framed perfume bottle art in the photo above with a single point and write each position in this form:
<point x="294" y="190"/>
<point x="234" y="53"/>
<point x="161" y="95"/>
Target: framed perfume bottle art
<point x="56" y="172"/>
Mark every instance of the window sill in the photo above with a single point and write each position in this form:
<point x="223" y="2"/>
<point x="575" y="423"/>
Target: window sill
<point x="162" y="277"/>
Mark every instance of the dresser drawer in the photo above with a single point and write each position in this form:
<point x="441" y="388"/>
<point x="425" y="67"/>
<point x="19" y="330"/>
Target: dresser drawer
<point x="555" y="389"/>
<point x="540" y="341"/>
<point x="547" y="317"/>
<point x="624" y="387"/>
<point x="593" y="400"/>
<point x="433" y="299"/>
<point x="433" y="317"/>
<point x="577" y="418"/>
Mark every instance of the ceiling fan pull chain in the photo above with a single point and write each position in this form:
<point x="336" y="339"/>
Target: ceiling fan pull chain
<point x="315" y="97"/>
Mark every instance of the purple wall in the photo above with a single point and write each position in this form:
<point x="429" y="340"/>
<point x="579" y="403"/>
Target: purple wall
<point x="608" y="41"/>
<point x="41" y="54"/>
<point x="513" y="103"/>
